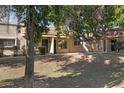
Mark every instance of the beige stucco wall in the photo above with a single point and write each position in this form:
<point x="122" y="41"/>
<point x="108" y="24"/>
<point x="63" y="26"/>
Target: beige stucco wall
<point x="58" y="50"/>
<point x="13" y="32"/>
<point x="99" y="46"/>
<point x="70" y="46"/>
<point x="8" y="31"/>
<point x="21" y="39"/>
<point x="108" y="45"/>
<point x="75" y="48"/>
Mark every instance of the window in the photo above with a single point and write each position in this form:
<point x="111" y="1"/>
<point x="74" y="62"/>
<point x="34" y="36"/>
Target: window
<point x="77" y="42"/>
<point x="62" y="44"/>
<point x="7" y="42"/>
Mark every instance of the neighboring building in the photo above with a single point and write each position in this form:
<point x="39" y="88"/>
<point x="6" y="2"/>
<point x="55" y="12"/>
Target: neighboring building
<point x="65" y="44"/>
<point x="61" y="44"/>
<point x="115" y="40"/>
<point x="11" y="36"/>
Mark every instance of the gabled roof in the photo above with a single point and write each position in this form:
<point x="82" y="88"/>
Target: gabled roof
<point x="52" y="32"/>
<point x="112" y="33"/>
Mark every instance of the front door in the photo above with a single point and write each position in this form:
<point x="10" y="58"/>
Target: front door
<point x="113" y="45"/>
<point x="54" y="46"/>
<point x="104" y="44"/>
<point x="45" y="44"/>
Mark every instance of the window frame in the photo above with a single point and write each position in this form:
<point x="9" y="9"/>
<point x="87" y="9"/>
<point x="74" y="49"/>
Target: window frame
<point x="7" y="42"/>
<point x="77" y="42"/>
<point x="63" y="45"/>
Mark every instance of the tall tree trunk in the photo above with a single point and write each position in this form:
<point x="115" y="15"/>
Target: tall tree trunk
<point x="29" y="69"/>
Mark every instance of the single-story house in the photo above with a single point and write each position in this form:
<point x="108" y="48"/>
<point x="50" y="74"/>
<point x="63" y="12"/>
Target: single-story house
<point x="13" y="38"/>
<point x="65" y="44"/>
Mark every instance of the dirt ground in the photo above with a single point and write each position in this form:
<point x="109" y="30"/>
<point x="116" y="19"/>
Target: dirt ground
<point x="74" y="70"/>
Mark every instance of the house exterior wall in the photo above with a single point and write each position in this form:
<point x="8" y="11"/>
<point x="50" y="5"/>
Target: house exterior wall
<point x="108" y="45"/>
<point x="75" y="48"/>
<point x="64" y="50"/>
<point x="8" y="31"/>
<point x="21" y="40"/>
<point x="11" y="32"/>
<point x="70" y="46"/>
<point x="99" y="46"/>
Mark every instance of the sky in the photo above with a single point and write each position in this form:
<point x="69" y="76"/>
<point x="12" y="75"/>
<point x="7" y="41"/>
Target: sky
<point x="13" y="18"/>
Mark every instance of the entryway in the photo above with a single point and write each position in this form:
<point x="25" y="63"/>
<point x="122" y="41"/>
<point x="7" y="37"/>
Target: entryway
<point x="114" y="45"/>
<point x="45" y="45"/>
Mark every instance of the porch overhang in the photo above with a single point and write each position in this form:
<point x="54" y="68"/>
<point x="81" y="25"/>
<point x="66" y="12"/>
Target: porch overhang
<point x="55" y="36"/>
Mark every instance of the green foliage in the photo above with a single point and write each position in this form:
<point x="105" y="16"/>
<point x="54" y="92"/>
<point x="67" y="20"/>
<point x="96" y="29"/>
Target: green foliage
<point x="15" y="48"/>
<point x="3" y="12"/>
<point x="42" y="15"/>
<point x="1" y="50"/>
<point x="120" y="15"/>
<point x="40" y="19"/>
<point x="23" y="50"/>
<point x="92" y="19"/>
<point x="42" y="50"/>
<point x="121" y="45"/>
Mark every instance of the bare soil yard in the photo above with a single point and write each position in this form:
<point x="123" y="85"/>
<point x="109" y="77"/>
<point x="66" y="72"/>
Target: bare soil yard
<point x="74" y="70"/>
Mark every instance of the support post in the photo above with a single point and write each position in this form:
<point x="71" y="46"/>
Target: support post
<point x="106" y="49"/>
<point x="52" y="46"/>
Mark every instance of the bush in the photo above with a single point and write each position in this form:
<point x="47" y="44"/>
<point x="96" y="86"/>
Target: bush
<point x="24" y="51"/>
<point x="42" y="50"/>
<point x="1" y="50"/>
<point x="120" y="46"/>
<point x="15" y="48"/>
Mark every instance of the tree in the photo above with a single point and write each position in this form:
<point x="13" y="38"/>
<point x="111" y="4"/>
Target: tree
<point x="89" y="23"/>
<point x="119" y="10"/>
<point x="3" y="12"/>
<point x="36" y="19"/>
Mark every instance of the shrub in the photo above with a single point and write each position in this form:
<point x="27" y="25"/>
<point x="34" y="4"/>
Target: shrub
<point x="1" y="50"/>
<point x="15" y="48"/>
<point x="42" y="50"/>
<point x="24" y="51"/>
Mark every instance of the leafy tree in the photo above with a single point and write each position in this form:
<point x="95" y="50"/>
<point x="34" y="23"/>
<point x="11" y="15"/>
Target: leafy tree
<point x="36" y="20"/>
<point x="5" y="13"/>
<point x="89" y="23"/>
<point x="119" y="10"/>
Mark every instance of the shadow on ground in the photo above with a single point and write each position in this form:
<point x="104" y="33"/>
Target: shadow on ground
<point x="105" y="70"/>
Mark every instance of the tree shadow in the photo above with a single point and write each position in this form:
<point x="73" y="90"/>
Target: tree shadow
<point x="13" y="62"/>
<point x="19" y="61"/>
<point x="104" y="70"/>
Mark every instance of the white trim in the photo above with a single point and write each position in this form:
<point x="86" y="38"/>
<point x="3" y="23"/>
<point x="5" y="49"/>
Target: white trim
<point x="7" y="37"/>
<point x="55" y="36"/>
